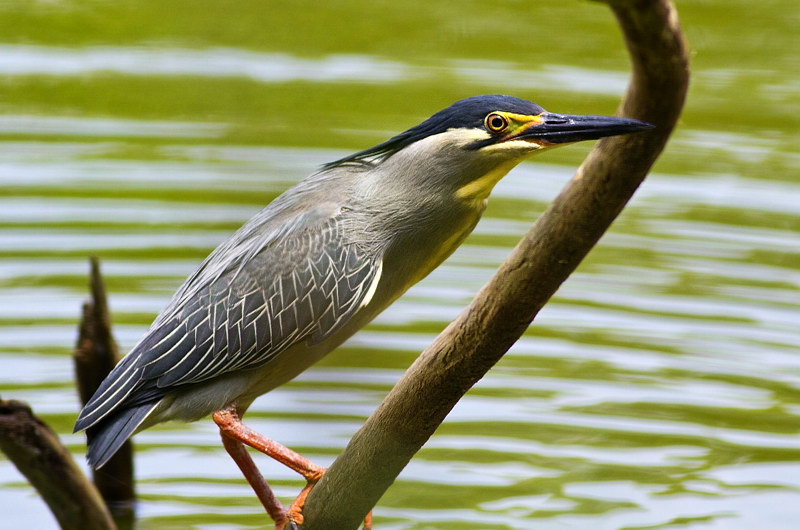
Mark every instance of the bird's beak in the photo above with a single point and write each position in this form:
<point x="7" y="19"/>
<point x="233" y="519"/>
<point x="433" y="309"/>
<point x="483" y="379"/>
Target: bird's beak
<point x="550" y="128"/>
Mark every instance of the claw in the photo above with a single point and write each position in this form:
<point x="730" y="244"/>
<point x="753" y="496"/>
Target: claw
<point x="294" y="514"/>
<point x="295" y="511"/>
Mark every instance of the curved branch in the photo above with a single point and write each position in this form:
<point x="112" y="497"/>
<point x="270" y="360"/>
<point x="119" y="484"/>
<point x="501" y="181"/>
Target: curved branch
<point x="504" y="308"/>
<point x="39" y="455"/>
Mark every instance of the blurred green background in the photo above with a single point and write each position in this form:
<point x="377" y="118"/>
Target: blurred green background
<point x="659" y="389"/>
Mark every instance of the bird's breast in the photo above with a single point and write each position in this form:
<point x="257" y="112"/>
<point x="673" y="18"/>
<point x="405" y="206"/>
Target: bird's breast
<point x="416" y="252"/>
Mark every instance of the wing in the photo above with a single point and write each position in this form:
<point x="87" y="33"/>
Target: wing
<point x="301" y="283"/>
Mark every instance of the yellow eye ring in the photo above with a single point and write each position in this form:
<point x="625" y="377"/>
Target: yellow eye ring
<point x="495" y="123"/>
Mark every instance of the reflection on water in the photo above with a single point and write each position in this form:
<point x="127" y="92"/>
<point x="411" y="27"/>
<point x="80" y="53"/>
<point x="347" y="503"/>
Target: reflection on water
<point x="217" y="62"/>
<point x="659" y="389"/>
<point x="46" y="126"/>
<point x="281" y="68"/>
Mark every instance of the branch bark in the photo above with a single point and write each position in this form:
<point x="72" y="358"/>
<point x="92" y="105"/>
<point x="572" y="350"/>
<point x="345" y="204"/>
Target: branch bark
<point x="96" y="353"/>
<point x="39" y="455"/>
<point x="506" y="306"/>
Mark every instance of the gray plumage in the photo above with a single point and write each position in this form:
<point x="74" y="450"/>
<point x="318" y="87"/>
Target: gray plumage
<point x="290" y="275"/>
<point x="318" y="263"/>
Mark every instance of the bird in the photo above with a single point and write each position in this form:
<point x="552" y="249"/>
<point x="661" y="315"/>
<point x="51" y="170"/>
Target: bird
<point x="315" y="266"/>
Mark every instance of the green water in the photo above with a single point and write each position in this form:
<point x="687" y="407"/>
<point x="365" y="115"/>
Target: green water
<point x="659" y="389"/>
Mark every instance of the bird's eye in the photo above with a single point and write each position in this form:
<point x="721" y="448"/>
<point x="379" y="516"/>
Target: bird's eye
<point x="495" y="123"/>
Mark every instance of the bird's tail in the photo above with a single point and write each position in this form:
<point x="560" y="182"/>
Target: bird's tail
<point x="106" y="436"/>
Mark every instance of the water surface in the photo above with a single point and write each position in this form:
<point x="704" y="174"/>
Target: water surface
<point x="659" y="389"/>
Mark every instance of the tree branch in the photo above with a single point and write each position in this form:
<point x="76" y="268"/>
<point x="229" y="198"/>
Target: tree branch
<point x="505" y="307"/>
<point x="96" y="353"/>
<point x="48" y="466"/>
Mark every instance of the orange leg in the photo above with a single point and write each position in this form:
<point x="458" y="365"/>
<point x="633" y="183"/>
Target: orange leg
<point x="234" y="433"/>
<point x="257" y="482"/>
<point x="230" y="424"/>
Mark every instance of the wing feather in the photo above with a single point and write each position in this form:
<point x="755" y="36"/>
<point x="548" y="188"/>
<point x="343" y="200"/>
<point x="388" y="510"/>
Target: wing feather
<point x="301" y="286"/>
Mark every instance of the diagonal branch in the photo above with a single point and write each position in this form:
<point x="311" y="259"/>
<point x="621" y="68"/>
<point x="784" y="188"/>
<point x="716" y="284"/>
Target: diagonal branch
<point x="504" y="308"/>
<point x="38" y="454"/>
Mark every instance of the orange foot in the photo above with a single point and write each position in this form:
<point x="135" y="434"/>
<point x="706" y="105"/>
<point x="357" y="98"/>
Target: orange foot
<point x="295" y="512"/>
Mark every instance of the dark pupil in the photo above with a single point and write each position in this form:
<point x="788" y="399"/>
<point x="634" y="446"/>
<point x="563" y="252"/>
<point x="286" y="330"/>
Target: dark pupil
<point x="496" y="122"/>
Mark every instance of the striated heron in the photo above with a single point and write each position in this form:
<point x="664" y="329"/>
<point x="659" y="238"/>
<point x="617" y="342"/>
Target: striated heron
<point x="315" y="266"/>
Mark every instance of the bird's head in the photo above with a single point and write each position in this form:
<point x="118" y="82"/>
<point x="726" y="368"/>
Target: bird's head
<point x="477" y="140"/>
